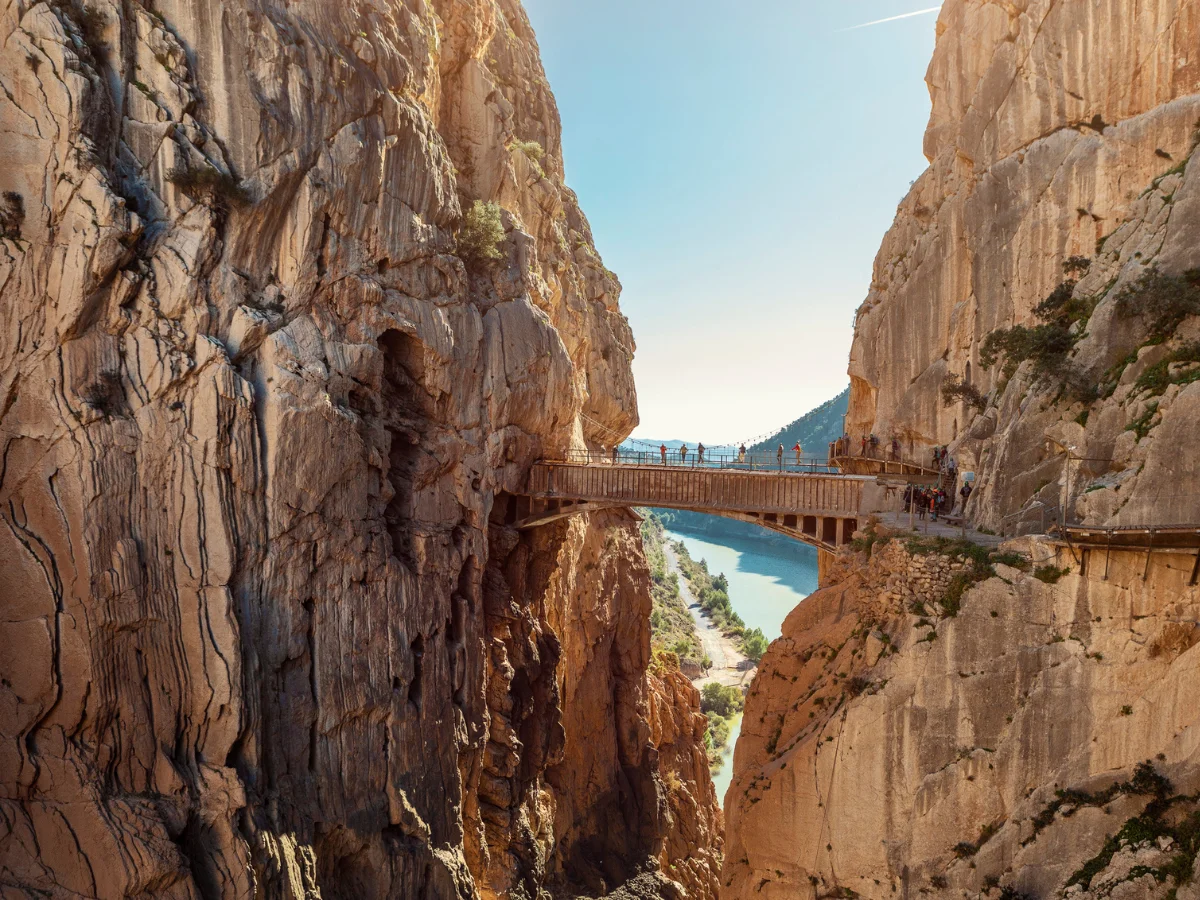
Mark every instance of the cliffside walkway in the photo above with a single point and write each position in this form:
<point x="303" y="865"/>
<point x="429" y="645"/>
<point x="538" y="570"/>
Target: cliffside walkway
<point x="1088" y="539"/>
<point x="810" y="501"/>
<point x="888" y="469"/>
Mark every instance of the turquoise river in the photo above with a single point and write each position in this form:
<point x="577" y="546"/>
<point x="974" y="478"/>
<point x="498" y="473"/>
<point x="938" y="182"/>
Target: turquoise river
<point x="768" y="577"/>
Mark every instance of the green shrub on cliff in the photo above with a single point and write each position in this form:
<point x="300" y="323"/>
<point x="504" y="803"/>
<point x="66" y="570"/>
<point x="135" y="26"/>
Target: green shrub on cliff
<point x="1162" y="301"/>
<point x="1064" y="316"/>
<point x="955" y="390"/>
<point x="480" y="235"/>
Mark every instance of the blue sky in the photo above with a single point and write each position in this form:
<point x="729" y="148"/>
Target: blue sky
<point x="739" y="163"/>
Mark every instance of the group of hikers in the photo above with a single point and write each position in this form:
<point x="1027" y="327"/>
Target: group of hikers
<point x="868" y="447"/>
<point x="933" y="501"/>
<point x="683" y="452"/>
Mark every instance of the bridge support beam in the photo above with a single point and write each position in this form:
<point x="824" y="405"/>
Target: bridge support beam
<point x="824" y="564"/>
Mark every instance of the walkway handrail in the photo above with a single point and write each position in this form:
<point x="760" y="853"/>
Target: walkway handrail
<point x="748" y="462"/>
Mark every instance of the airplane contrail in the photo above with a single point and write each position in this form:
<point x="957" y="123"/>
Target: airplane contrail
<point x="908" y="15"/>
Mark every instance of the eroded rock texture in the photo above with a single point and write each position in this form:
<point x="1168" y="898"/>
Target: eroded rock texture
<point x="1059" y="130"/>
<point x="264" y="628"/>
<point x="891" y="750"/>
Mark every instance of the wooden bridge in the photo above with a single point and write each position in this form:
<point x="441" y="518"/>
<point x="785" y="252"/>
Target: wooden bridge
<point x="821" y="509"/>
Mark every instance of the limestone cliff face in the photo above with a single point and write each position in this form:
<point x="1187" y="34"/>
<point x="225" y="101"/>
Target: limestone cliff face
<point x="1058" y="130"/>
<point x="887" y="752"/>
<point x="264" y="626"/>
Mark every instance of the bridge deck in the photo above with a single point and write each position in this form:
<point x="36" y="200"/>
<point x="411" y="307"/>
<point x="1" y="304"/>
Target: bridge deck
<point x="819" y="509"/>
<point x="705" y="490"/>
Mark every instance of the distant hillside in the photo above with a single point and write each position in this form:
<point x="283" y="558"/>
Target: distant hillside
<point x="814" y="430"/>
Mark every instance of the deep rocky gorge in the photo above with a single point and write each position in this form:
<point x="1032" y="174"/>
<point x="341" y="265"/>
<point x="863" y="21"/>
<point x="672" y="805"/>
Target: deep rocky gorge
<point x="266" y="628"/>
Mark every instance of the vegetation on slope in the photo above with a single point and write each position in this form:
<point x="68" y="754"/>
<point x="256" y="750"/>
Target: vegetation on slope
<point x="673" y="630"/>
<point x="815" y="430"/>
<point x="672" y="627"/>
<point x="721" y="703"/>
<point x="1063" y="319"/>
<point x="712" y="593"/>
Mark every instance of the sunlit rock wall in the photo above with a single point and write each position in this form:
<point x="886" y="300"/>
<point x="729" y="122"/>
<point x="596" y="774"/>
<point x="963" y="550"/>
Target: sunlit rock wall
<point x="264" y="628"/>
<point x="1058" y="130"/>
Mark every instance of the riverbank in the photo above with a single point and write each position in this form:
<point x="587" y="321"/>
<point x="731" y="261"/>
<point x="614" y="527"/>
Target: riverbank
<point x="728" y="665"/>
<point x="766" y="580"/>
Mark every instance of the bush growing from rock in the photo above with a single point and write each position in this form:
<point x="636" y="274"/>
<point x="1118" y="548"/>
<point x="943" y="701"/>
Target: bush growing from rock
<point x="955" y="390"/>
<point x="480" y="235"/>
<point x="1162" y="301"/>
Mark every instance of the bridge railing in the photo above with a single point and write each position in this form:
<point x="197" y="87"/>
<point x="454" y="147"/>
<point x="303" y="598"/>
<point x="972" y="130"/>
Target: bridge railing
<point x="841" y="452"/>
<point x="693" y="459"/>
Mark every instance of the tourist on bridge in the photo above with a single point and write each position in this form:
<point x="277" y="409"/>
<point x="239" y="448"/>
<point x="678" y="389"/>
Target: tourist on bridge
<point x="683" y="454"/>
<point x="700" y="454"/>
<point x="614" y="454"/>
<point x="663" y="450"/>
<point x="874" y="442"/>
<point x="799" y="452"/>
<point x="742" y="453"/>
<point x="864" y="445"/>
<point x="779" y="456"/>
<point x="895" y="449"/>
<point x="937" y="456"/>
<point x="603" y="450"/>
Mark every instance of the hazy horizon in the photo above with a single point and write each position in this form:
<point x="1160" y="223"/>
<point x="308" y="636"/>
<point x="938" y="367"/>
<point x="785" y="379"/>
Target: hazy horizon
<point x="739" y="171"/>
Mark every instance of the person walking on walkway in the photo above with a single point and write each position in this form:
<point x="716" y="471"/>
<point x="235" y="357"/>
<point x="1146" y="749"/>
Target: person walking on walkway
<point x="799" y="452"/>
<point x="614" y="454"/>
<point x="663" y="450"/>
<point x="742" y="453"/>
<point x="922" y="501"/>
<point x="601" y="454"/>
<point x="895" y="449"/>
<point x="933" y="505"/>
<point x="779" y="456"/>
<point x="683" y="454"/>
<point x="965" y="493"/>
<point x="700" y="454"/>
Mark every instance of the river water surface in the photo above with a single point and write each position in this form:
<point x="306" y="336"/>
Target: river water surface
<point x="767" y="578"/>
